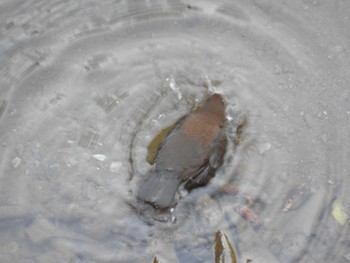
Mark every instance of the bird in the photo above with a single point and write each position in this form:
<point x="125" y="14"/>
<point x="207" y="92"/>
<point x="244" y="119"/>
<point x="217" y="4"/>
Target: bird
<point x="189" y="154"/>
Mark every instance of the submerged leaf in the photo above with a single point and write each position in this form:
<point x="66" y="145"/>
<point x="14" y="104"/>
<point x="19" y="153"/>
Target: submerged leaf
<point x="224" y="252"/>
<point x="338" y="212"/>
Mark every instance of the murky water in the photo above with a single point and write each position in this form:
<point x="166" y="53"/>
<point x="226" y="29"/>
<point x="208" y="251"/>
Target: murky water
<point x="86" y="85"/>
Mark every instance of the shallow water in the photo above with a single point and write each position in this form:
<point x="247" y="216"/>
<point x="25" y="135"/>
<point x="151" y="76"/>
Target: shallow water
<point x="85" y="86"/>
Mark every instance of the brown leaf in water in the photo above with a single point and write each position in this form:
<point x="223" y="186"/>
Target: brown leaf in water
<point x="224" y="252"/>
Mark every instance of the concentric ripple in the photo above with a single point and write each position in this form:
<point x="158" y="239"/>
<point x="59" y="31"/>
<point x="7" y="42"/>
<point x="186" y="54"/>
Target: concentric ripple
<point x="85" y="86"/>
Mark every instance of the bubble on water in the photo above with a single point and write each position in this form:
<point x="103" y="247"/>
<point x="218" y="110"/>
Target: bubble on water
<point x="229" y="118"/>
<point x="173" y="219"/>
<point x="174" y="87"/>
<point x="99" y="157"/>
<point x="172" y="215"/>
<point x="16" y="162"/>
<point x="155" y="121"/>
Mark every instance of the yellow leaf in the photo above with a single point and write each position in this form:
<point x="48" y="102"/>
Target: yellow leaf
<point x="338" y="212"/>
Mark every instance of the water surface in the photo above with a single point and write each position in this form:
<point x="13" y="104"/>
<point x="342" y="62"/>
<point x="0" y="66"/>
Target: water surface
<point x="85" y="86"/>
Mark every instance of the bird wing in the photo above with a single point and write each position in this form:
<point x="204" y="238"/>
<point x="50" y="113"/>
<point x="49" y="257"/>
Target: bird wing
<point x="208" y="169"/>
<point x="218" y="147"/>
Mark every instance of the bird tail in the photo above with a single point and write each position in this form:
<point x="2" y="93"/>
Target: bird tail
<point x="159" y="189"/>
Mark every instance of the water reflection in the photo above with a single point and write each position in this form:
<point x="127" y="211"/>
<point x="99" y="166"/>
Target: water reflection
<point x="84" y="87"/>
